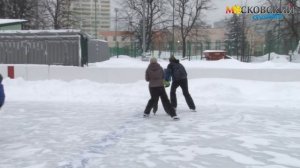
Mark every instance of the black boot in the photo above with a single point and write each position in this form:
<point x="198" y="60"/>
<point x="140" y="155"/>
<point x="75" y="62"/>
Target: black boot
<point x="154" y="109"/>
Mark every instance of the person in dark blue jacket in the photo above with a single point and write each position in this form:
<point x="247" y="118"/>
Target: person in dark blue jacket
<point x="179" y="78"/>
<point x="2" y="94"/>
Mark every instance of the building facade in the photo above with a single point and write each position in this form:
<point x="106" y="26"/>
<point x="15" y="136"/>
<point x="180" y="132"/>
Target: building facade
<point x="120" y="38"/>
<point x="93" y="16"/>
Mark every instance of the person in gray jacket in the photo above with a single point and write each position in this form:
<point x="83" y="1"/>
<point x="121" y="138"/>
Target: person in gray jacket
<point x="155" y="76"/>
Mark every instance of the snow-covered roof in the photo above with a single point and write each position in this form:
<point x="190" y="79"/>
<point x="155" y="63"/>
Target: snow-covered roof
<point x="8" y="21"/>
<point x="41" y="31"/>
<point x="214" y="51"/>
<point x="99" y="40"/>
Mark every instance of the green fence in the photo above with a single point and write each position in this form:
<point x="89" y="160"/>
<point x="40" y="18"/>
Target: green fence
<point x="130" y="49"/>
<point x="194" y="50"/>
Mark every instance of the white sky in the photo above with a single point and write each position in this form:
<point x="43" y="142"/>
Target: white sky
<point x="216" y="14"/>
<point x="220" y="5"/>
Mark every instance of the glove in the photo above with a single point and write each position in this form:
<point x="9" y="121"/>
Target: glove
<point x="166" y="83"/>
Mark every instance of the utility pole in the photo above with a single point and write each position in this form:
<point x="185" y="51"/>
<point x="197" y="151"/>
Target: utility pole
<point x="96" y="36"/>
<point x="243" y="39"/>
<point x="144" y="28"/>
<point x="80" y="16"/>
<point x="173" y="38"/>
<point x="68" y="15"/>
<point x="116" y="23"/>
<point x="278" y="35"/>
<point x="116" y="29"/>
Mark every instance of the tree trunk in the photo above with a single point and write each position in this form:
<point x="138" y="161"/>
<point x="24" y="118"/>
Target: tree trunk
<point x="183" y="47"/>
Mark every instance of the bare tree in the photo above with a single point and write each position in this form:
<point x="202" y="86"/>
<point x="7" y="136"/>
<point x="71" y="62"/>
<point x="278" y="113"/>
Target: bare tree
<point x="155" y="18"/>
<point x="16" y="9"/>
<point x="2" y="9"/>
<point x="287" y="30"/>
<point x="56" y="13"/>
<point x="189" y="12"/>
<point x="293" y="22"/>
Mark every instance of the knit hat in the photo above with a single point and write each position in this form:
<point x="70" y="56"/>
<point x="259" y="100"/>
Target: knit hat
<point x="172" y="58"/>
<point x="153" y="60"/>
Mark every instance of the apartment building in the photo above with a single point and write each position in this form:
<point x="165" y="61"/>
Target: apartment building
<point x="93" y="16"/>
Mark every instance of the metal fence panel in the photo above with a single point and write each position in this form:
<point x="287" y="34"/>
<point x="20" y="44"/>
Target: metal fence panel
<point x="40" y="49"/>
<point x="97" y="51"/>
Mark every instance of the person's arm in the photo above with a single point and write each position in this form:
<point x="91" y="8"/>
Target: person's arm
<point x="167" y="75"/>
<point x="147" y="78"/>
<point x="162" y="73"/>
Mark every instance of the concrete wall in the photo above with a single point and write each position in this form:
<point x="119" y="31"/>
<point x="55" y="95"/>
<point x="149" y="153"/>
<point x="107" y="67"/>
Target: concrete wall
<point x="128" y="75"/>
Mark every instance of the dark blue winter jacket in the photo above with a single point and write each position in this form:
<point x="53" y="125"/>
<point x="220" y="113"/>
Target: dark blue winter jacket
<point x="2" y="95"/>
<point x="167" y="75"/>
<point x="176" y="70"/>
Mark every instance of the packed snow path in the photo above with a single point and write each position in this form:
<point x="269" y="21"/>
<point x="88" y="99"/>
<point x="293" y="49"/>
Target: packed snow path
<point x="77" y="135"/>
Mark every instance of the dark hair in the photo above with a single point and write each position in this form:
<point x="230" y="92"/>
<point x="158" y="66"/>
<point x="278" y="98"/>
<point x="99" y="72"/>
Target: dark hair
<point x="1" y="78"/>
<point x="172" y="58"/>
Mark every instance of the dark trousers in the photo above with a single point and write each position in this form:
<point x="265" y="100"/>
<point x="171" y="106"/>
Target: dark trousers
<point x="1" y="102"/>
<point x="156" y="93"/>
<point x="183" y="83"/>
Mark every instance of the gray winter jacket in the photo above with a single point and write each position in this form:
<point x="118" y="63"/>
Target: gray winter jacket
<point x="155" y="75"/>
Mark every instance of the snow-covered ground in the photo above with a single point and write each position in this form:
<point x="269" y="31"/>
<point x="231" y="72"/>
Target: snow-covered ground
<point x="276" y="62"/>
<point x="84" y="124"/>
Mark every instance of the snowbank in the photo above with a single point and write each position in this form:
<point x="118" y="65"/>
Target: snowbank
<point x="127" y="70"/>
<point x="275" y="58"/>
<point x="209" y="91"/>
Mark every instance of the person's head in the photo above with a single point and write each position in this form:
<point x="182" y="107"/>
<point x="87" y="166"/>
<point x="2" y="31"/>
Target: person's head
<point x="172" y="58"/>
<point x="1" y="78"/>
<point x="153" y="60"/>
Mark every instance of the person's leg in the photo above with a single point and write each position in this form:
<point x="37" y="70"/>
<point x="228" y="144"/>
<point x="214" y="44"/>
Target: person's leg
<point x="154" y="98"/>
<point x="1" y="104"/>
<point x="166" y="103"/>
<point x="155" y="106"/>
<point x="173" y="93"/>
<point x="185" y="90"/>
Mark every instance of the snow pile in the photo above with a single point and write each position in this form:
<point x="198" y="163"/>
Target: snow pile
<point x="61" y="91"/>
<point x="279" y="61"/>
<point x="207" y="91"/>
<point x="121" y="61"/>
<point x="276" y="58"/>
